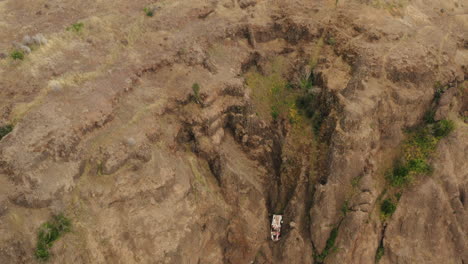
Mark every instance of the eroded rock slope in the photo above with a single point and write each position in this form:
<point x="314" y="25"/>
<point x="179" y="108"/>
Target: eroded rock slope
<point x="156" y="137"/>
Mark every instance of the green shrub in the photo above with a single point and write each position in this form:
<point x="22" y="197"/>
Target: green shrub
<point x="429" y="117"/>
<point x="399" y="176"/>
<point x="76" y="27"/>
<point x="306" y="84"/>
<point x="274" y="112"/>
<point x="17" y="55"/>
<point x="418" y="166"/>
<point x="4" y="130"/>
<point x="402" y="174"/>
<point x="355" y="181"/>
<point x="439" y="90"/>
<point x="317" y="121"/>
<point x="42" y="252"/>
<point x="306" y="103"/>
<point x="48" y="233"/>
<point x="379" y="254"/>
<point x="387" y="208"/>
<point x="148" y="11"/>
<point x="443" y="128"/>
<point x="420" y="144"/>
<point x="196" y="93"/>
<point x="329" y="246"/>
<point x="331" y="40"/>
<point x="345" y="207"/>
<point x="417" y="149"/>
<point x="398" y="195"/>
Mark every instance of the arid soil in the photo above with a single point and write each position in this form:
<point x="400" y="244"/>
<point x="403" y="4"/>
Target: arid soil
<point x="110" y="131"/>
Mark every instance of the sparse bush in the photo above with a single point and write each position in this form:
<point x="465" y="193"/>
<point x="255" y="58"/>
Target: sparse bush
<point x="4" y="130"/>
<point x="317" y="121"/>
<point x="345" y="207"/>
<point x="307" y="104"/>
<point x="443" y="128"/>
<point x="439" y="90"/>
<point x="429" y="117"/>
<point x="294" y="115"/>
<point x="306" y="84"/>
<point x="387" y="208"/>
<point x="48" y="233"/>
<point x="148" y="11"/>
<point x="17" y="55"/>
<point x="274" y="112"/>
<point x="331" y="40"/>
<point x="355" y="181"/>
<point x="76" y="27"/>
<point x="196" y="93"/>
<point x="398" y="195"/>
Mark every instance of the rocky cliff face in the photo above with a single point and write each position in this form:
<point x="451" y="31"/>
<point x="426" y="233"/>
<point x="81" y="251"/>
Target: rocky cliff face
<point x="172" y="138"/>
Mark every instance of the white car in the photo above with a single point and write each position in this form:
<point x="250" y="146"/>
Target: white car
<point x="276" y="222"/>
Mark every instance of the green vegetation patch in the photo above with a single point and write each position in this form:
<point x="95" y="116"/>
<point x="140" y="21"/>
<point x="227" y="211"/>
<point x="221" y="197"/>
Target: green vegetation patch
<point x="329" y="247"/>
<point x="309" y="106"/>
<point x="5" y="130"/>
<point x="331" y="40"/>
<point x="274" y="97"/>
<point x="148" y="11"/>
<point x="48" y="233"/>
<point x="196" y="93"/>
<point x="417" y="149"/>
<point x="17" y="55"/>
<point x="387" y="208"/>
<point x="355" y="181"/>
<point x="277" y="98"/>
<point x="380" y="252"/>
<point x="443" y="128"/>
<point x="345" y="207"/>
<point x="439" y="90"/>
<point x="76" y="27"/>
<point x="429" y="116"/>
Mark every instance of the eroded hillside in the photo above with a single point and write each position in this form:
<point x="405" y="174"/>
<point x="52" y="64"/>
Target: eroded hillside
<point x="171" y="131"/>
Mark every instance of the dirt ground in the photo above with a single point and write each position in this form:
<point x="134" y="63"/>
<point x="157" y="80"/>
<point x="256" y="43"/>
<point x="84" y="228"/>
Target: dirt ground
<point x="302" y="108"/>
